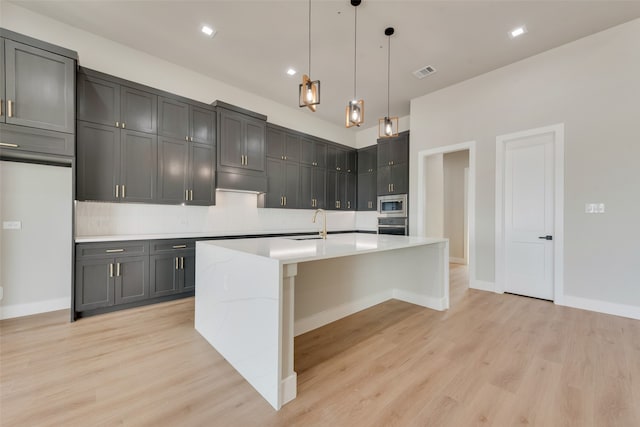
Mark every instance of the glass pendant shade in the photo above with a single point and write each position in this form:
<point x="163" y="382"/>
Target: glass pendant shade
<point x="355" y="113"/>
<point x="387" y="127"/>
<point x="309" y="93"/>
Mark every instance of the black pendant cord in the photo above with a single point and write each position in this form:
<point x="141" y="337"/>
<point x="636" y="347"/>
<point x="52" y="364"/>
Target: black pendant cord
<point x="355" y="51"/>
<point x="388" y="73"/>
<point x="309" y="39"/>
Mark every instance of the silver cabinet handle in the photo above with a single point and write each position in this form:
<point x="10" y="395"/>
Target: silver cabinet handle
<point x="122" y="125"/>
<point x="176" y="263"/>
<point x="6" y="144"/>
<point x="9" y="108"/>
<point x="186" y="194"/>
<point x="117" y="191"/>
<point x="179" y="246"/>
<point x="191" y="195"/>
<point x="191" y="138"/>
<point x="1" y="102"/>
<point x="186" y="138"/>
<point x="181" y="263"/>
<point x="123" y="189"/>
<point x="110" y="270"/>
<point x="117" y="124"/>
<point x="348" y="204"/>
<point x="117" y="269"/>
<point x="246" y="160"/>
<point x="113" y="251"/>
<point x="285" y="200"/>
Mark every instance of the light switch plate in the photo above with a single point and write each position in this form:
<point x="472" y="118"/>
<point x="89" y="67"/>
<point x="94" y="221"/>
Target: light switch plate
<point x="594" y="208"/>
<point x="11" y="225"/>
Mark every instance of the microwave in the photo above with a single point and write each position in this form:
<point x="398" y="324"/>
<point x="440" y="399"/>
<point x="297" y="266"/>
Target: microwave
<point x="393" y="205"/>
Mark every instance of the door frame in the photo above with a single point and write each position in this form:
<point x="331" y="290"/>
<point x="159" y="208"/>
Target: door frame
<point x="558" y="233"/>
<point x="471" y="200"/>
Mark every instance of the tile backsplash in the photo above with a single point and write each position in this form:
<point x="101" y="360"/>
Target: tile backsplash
<point x="234" y="213"/>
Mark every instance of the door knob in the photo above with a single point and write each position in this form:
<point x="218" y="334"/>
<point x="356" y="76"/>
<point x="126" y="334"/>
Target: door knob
<point x="547" y="237"/>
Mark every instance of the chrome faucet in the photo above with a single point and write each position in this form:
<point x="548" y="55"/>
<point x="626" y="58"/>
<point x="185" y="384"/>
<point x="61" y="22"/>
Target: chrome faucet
<point x="323" y="233"/>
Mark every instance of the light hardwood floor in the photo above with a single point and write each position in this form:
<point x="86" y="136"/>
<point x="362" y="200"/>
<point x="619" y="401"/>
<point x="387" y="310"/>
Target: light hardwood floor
<point x="497" y="360"/>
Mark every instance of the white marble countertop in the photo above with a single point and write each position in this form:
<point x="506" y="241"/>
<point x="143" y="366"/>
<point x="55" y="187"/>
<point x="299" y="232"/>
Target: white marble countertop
<point x="191" y="235"/>
<point x="288" y="250"/>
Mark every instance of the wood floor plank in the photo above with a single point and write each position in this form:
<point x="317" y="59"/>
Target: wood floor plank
<point x="491" y="360"/>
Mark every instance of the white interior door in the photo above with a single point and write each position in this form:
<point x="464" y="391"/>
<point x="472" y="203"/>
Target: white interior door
<point x="529" y="216"/>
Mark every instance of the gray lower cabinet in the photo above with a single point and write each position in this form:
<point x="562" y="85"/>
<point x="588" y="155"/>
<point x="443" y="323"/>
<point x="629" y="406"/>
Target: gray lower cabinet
<point x="115" y="164"/>
<point x="186" y="172"/>
<point x="115" y="275"/>
<point x="313" y="188"/>
<point x="108" y="281"/>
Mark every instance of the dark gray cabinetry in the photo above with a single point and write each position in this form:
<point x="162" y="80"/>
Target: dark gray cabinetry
<point x="115" y="164"/>
<point x="172" y="267"/>
<point x="337" y="189"/>
<point x="37" y="99"/>
<point x="111" y="274"/>
<point x="186" y="172"/>
<point x="313" y="192"/>
<point x="241" y="155"/>
<point x="283" y="184"/>
<point x="110" y="103"/>
<point x="393" y="165"/>
<point x="283" y="145"/>
<point x="313" y="152"/>
<point x="367" y="178"/>
<point x="181" y="120"/>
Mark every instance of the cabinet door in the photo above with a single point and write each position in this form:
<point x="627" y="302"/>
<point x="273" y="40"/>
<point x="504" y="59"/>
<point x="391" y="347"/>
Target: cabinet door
<point x="201" y="125"/>
<point x="188" y="264"/>
<point x="275" y="143"/>
<point x="41" y="88"/>
<point x="139" y="110"/>
<point x="384" y="180"/>
<point x="275" y="183"/>
<point x="307" y="151"/>
<point x="98" y="162"/>
<point x="342" y="190"/>
<point x="173" y="118"/>
<point x="291" y="184"/>
<point x="292" y="148"/>
<point x="351" y="189"/>
<point x="364" y="197"/>
<point x="367" y="160"/>
<point x="333" y="196"/>
<point x="255" y="142"/>
<point x="132" y="279"/>
<point x="94" y="286"/>
<point x="321" y="154"/>
<point x="98" y="101"/>
<point x="139" y="166"/>
<point x="399" y="149"/>
<point x="351" y="165"/>
<point x="384" y="153"/>
<point x="400" y="178"/>
<point x="319" y="191"/>
<point x="332" y="158"/>
<point x="2" y="80"/>
<point x="306" y="187"/>
<point x="164" y="275"/>
<point x="231" y="139"/>
<point x="173" y="172"/>
<point x="202" y="188"/>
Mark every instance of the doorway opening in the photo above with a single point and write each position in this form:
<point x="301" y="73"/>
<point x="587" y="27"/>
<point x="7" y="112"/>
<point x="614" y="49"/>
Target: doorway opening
<point x="446" y="207"/>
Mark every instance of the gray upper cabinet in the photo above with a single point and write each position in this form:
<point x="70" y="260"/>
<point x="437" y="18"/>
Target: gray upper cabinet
<point x="181" y="120"/>
<point x="283" y="145"/>
<point x="368" y="159"/>
<point x="313" y="190"/>
<point x="283" y="184"/>
<point x="138" y="173"/>
<point x="2" y="83"/>
<point x="313" y="152"/>
<point x="111" y="103"/>
<point x="202" y="175"/>
<point x="367" y="178"/>
<point x="393" y="165"/>
<point x="39" y="88"/>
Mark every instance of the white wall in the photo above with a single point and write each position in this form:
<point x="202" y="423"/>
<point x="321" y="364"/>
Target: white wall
<point x="590" y="85"/>
<point x="454" y="165"/>
<point x="35" y="261"/>
<point x="113" y="58"/>
<point x="434" y="195"/>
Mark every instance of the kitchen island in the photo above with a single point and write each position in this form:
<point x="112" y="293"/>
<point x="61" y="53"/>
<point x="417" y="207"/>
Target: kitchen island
<point x="254" y="295"/>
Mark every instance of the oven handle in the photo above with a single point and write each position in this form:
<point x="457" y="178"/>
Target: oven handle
<point x="391" y="226"/>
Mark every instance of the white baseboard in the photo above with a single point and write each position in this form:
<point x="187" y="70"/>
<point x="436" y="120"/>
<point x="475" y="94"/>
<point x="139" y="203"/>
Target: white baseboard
<point x="439" y="304"/>
<point x="454" y="260"/>
<point x="19" y="310"/>
<point x="481" y="285"/>
<point x="288" y="389"/>
<point x="331" y="315"/>
<point x="623" y="310"/>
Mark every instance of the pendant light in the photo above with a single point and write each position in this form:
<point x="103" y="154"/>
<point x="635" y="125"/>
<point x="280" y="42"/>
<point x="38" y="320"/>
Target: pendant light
<point x="388" y="126"/>
<point x="308" y="90"/>
<point x="355" y="107"/>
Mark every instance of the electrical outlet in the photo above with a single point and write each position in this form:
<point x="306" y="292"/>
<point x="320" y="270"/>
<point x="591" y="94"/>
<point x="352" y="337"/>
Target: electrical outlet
<point x="11" y="225"/>
<point x="594" y="208"/>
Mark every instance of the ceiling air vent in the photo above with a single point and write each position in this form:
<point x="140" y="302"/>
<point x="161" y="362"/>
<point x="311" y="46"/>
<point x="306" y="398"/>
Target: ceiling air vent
<point x="424" y="72"/>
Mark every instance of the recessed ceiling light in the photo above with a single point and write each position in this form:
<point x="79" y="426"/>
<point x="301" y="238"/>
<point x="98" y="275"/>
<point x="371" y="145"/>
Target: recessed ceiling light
<point x="518" y="32"/>
<point x="208" y="30"/>
<point x="291" y="72"/>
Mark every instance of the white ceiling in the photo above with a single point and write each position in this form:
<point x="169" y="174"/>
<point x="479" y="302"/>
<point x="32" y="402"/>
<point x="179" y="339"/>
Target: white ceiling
<point x="257" y="41"/>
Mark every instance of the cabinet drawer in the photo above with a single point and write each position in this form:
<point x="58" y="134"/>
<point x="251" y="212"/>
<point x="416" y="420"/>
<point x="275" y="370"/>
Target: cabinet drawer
<point x="164" y="246"/>
<point x="21" y="138"/>
<point x="113" y="249"/>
